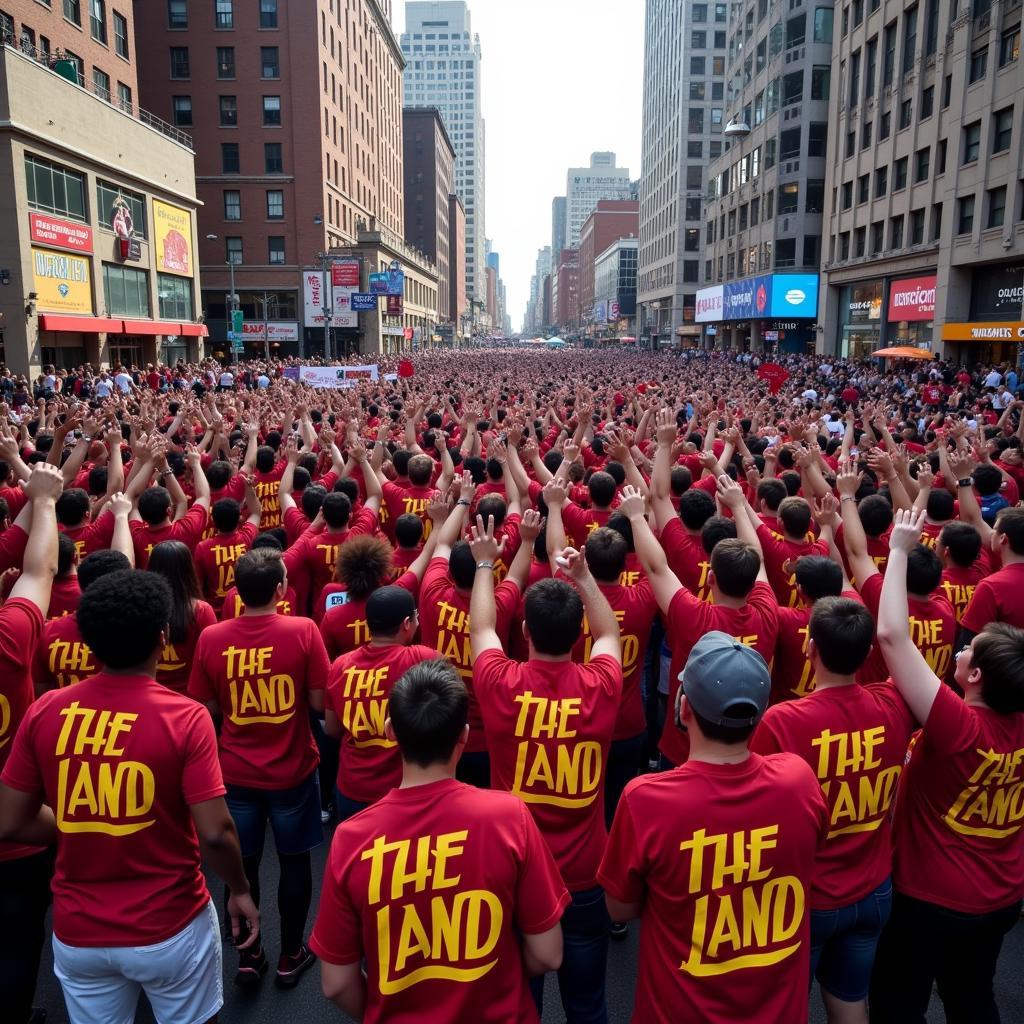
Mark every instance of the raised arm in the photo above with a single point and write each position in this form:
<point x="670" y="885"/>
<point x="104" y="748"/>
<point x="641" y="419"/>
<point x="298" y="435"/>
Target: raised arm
<point x="39" y="563"/>
<point x="664" y="581"/>
<point x="529" y="530"/>
<point x="854" y="538"/>
<point x="450" y="528"/>
<point x="555" y="539"/>
<point x="121" y="539"/>
<point x="483" y="613"/>
<point x="731" y="495"/>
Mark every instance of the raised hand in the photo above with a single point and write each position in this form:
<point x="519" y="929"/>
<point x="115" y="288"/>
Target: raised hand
<point x="906" y="530"/>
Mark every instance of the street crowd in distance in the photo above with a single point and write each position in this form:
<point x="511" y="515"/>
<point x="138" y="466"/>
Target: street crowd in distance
<point x="546" y="647"/>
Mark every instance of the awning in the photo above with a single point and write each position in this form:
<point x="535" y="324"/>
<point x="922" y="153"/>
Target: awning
<point x="195" y="330"/>
<point x="97" y="324"/>
<point x="150" y="327"/>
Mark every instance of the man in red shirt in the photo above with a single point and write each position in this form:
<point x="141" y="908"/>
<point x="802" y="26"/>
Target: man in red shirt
<point x="412" y="498"/>
<point x="855" y="739"/>
<point x="261" y="674"/>
<point x="780" y="556"/>
<point x="964" y="564"/>
<point x="958" y="872"/>
<point x="215" y="558"/>
<point x="121" y="774"/>
<point x="716" y="858"/>
<point x="998" y="598"/>
<point x="549" y="725"/>
<point x="465" y="870"/>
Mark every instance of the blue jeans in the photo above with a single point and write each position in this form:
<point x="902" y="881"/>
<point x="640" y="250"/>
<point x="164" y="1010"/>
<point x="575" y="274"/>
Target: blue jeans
<point x="584" y="960"/>
<point x="294" y="816"/>
<point x="843" y="943"/>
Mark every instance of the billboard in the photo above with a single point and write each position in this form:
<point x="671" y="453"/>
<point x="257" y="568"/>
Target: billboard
<point x="279" y="331"/>
<point x="395" y="306"/>
<point x="709" y="304"/>
<point x="794" y="295"/>
<point x="388" y="282"/>
<point x="61" y="233"/>
<point x="345" y="274"/>
<point x="364" y="302"/>
<point x="600" y="312"/>
<point x="912" y="299"/>
<point x="62" y="281"/>
<point x="172" y="239"/>
<point x="341" y="302"/>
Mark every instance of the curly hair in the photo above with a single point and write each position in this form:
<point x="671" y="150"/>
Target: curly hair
<point x="364" y="564"/>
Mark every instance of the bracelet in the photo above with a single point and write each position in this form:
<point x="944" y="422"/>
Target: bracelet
<point x="463" y="501"/>
<point x="485" y="565"/>
<point x="967" y="481"/>
<point x="847" y="497"/>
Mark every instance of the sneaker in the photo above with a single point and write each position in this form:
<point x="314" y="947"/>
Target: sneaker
<point x="290" y="968"/>
<point x="618" y="930"/>
<point x="252" y="965"/>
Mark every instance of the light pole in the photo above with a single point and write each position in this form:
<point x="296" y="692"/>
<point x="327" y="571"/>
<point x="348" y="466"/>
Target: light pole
<point x="655" y="306"/>
<point x="233" y="297"/>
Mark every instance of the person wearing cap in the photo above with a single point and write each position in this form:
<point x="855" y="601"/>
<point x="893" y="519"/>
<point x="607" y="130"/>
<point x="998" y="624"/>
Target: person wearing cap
<point x="717" y="856"/>
<point x="485" y="854"/>
<point x="369" y="762"/>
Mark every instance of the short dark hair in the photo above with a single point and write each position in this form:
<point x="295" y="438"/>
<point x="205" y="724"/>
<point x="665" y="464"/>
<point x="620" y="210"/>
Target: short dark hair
<point x="226" y="513"/>
<point x="772" y="492"/>
<point x="818" y="576"/>
<point x="429" y="708"/>
<point x="258" y="574"/>
<point x="408" y="530"/>
<point x="987" y="480"/>
<point x="998" y="651"/>
<point x="154" y="505"/>
<point x="679" y="480"/>
<point x="606" y="551"/>
<point x="715" y="530"/>
<point x="1010" y="523"/>
<point x="65" y="554"/>
<point x="733" y="735"/>
<point x="875" y="514"/>
<point x="218" y="473"/>
<point x="312" y="498"/>
<point x="492" y="506"/>
<point x="940" y="505"/>
<point x="72" y="507"/>
<point x="265" y="458"/>
<point x="602" y="489"/>
<point x="735" y="565"/>
<point x="696" y="507"/>
<point x="462" y="565"/>
<point x="843" y="631"/>
<point x="554" y="616"/>
<point x="421" y="468"/>
<point x="924" y="570"/>
<point x="337" y="510"/>
<point x="400" y="460"/>
<point x="962" y="541"/>
<point x="122" y="616"/>
<point x="100" y="564"/>
<point x="795" y="516"/>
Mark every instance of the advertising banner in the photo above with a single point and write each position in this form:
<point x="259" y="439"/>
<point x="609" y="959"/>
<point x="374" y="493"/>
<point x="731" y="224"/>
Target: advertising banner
<point x="364" y="302"/>
<point x="345" y="274"/>
<point x="997" y="292"/>
<point x="335" y="377"/>
<point x="388" y="282"/>
<point x="273" y="332"/>
<point x="395" y="306"/>
<point x="912" y="298"/>
<point x="794" y="295"/>
<point x="614" y="309"/>
<point x="341" y="303"/>
<point x="738" y="300"/>
<point x="60" y="233"/>
<point x="61" y="281"/>
<point x="709" y="304"/>
<point x="172" y="237"/>
<point x="600" y="312"/>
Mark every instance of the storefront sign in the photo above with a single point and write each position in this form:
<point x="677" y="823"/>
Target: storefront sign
<point x="60" y="233"/>
<point x="270" y="332"/>
<point x="865" y="303"/>
<point x="172" y="234"/>
<point x="998" y="292"/>
<point x="794" y="295"/>
<point x="709" y="304"/>
<point x="340" y="302"/>
<point x="1006" y="331"/>
<point x="756" y="298"/>
<point x="345" y="274"/>
<point x="61" y="281"/>
<point x="911" y="299"/>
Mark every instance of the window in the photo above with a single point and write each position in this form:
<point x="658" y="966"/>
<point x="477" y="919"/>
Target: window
<point x="847" y="191"/>
<point x="812" y="246"/>
<point x="1003" y="125"/>
<point x="860" y="239"/>
<point x="268" y="13"/>
<point x="696" y="65"/>
<point x="789" y="197"/>
<point x="941" y="161"/>
<point x="228" y="112"/>
<point x="844" y="245"/>
<point x="98" y="20"/>
<point x="972" y="142"/>
<point x="699" y="40"/>
<point x="180" y="65"/>
<point x="273" y="162"/>
<point x="851" y="143"/>
<point x="271" y="111"/>
<point x="53" y="189"/>
<point x="870" y="67"/>
<point x="936" y="222"/>
<point x="899" y="179"/>
<point x="126" y="291"/>
<point x="1009" y="45"/>
<point x="820" y="76"/>
<point x="922" y="164"/>
<point x="695" y="121"/>
<point x="101" y="84"/>
<point x="792" y="88"/>
<point x="700" y="12"/>
<point x="175" y="297"/>
<point x="996" y="207"/>
<point x="817" y="135"/>
<point x="275" y="204"/>
<point x="881" y="181"/>
<point x="906" y="113"/>
<point x="232" y="204"/>
<point x="965" y="215"/>
<point x="177" y="13"/>
<point x="225" y="14"/>
<point x="229" y="162"/>
<point x="120" y="35"/>
<point x="696" y="90"/>
<point x="815" y="199"/>
<point x="865" y="135"/>
<point x="182" y="111"/>
<point x="889" y="54"/>
<point x="789" y="144"/>
<point x="931" y="28"/>
<point x="863" y="188"/>
<point x="884" y="126"/>
<point x="73" y="11"/>
<point x="124" y="98"/>
<point x="917" y="226"/>
<point x="270" y="62"/>
<point x="225" y="62"/>
<point x="695" y="150"/>
<point x="979" y="64"/>
<point x="107" y="194"/>
<point x="855" y="79"/>
<point x="947" y="91"/>
<point x="877" y="241"/>
<point x="275" y="249"/>
<point x="896" y="232"/>
<point x="796" y="31"/>
<point x="858" y="12"/>
<point x="785" y="252"/>
<point x="928" y="102"/>
<point x="823" y="24"/>
<point x="233" y="250"/>
<point x="909" y="38"/>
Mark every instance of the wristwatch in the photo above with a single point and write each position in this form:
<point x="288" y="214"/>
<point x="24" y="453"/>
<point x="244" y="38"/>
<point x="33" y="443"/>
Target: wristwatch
<point x="485" y="565"/>
<point x="967" y="481"/>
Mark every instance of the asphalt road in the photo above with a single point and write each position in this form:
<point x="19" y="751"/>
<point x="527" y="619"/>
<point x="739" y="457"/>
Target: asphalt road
<point x="305" y="1003"/>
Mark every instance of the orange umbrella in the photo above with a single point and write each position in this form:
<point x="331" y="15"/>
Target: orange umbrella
<point x="903" y="352"/>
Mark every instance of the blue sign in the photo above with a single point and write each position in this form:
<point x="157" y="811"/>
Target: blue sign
<point x="363" y="302"/>
<point x="600" y="312"/>
<point x="738" y="300"/>
<point x="794" y="295"/>
<point x="785" y="296"/>
<point x="388" y="282"/>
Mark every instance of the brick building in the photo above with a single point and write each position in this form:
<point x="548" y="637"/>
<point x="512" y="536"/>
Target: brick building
<point x="610" y="219"/>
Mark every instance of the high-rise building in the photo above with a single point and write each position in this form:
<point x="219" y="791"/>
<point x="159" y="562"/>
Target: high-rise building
<point x="615" y="289"/>
<point x="558" y="223"/>
<point x="924" y="202"/>
<point x="683" y="112"/>
<point x="429" y="171"/>
<point x="443" y="70"/>
<point x="565" y="303"/>
<point x="458" y="303"/>
<point x="610" y="219"/>
<point x="295" y="112"/>
<point x="584" y="186"/>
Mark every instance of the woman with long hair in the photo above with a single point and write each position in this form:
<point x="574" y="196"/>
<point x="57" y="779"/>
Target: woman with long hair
<point x="190" y="615"/>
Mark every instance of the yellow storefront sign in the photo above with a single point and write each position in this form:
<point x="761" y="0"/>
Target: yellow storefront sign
<point x="1007" y="330"/>
<point x="172" y="228"/>
<point x="62" y="281"/>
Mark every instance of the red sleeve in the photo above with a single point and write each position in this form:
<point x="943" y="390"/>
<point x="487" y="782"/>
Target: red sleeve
<point x="200" y="684"/>
<point x="982" y="608"/>
<point x="871" y="593"/>
<point x="952" y="726"/>
<point x="575" y="521"/>
<point x="408" y="581"/>
<point x="364" y="521"/>
<point x="22" y="770"/>
<point x="99" y="534"/>
<point x="622" y="871"/>
<point x="189" y="529"/>
<point x="337" y="934"/>
<point x="606" y="671"/>
<point x="21" y="627"/>
<point x="12" y="547"/>
<point x="201" y="779"/>
<point x="492" y="668"/>
<point x="248" y="532"/>
<point x="541" y="896"/>
<point x="319" y="665"/>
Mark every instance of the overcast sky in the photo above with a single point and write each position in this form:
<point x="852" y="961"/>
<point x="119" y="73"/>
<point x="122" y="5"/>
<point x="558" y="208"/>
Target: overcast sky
<point x="561" y="79"/>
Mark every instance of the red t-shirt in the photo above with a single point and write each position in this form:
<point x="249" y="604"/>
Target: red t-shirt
<point x="686" y="557"/>
<point x="780" y="558"/>
<point x="62" y="657"/>
<point x="13" y="541"/>
<point x="959" y="584"/>
<point x="268" y="490"/>
<point x="405" y="499"/>
<point x="549" y="725"/>
<point x="877" y="547"/>
<point x="234" y="606"/>
<point x="175" y="663"/>
<point x="722" y="858"/>
<point x="64" y="597"/>
<point x="580" y="523"/>
<point x="485" y="869"/>
<point x="855" y="740"/>
<point x="120" y="759"/>
<point x="369" y="763"/>
<point x="755" y="624"/>
<point x="188" y="530"/>
<point x="997" y="598"/>
<point x="343" y="626"/>
<point x="959" y="831"/>
<point x="215" y="562"/>
<point x="90" y="537"/>
<point x="259" y="669"/>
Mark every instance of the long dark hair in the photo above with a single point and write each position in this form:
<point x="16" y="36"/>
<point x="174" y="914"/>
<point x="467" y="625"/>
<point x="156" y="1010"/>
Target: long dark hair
<point x="173" y="560"/>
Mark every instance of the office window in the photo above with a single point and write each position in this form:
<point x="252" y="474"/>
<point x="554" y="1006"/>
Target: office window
<point x="1009" y="45"/>
<point x="275" y="249"/>
<point x="700" y="12"/>
<point x="947" y="91"/>
<point x="847" y="194"/>
<point x="965" y="215"/>
<point x="225" y="14"/>
<point x="73" y="11"/>
<point x="909" y="38"/>
<point x="232" y="204"/>
<point x="1003" y="129"/>
<point x="978" y="65"/>
<point x="846" y="19"/>
<point x="889" y="53"/>
<point x="126" y="291"/>
<point x="917" y="226"/>
<point x="180" y="65"/>
<point x="175" y="297"/>
<point x="177" y="13"/>
<point x="823" y="24"/>
<point x="936" y="222"/>
<point x="792" y="88"/>
<point x="900" y="177"/>
<point x="699" y="40"/>
<point x="996" y="207"/>
<point x="863" y="188"/>
<point x="896" y="232"/>
<point x="940" y="163"/>
<point x="108" y="194"/>
<point x="270" y="62"/>
<point x="865" y="134"/>
<point x="922" y="164"/>
<point x="789" y="144"/>
<point x="860" y="238"/>
<point x="928" y="102"/>
<point x="225" y="62"/>
<point x="275" y="204"/>
<point x="233" y="250"/>
<point x="844" y="245"/>
<point x="268" y="13"/>
<point x="695" y="121"/>
<point x="972" y="142"/>
<point x="820" y="76"/>
<point x="931" y="27"/>
<point x="696" y="90"/>
<point x="812" y="250"/>
<point x="815" y="199"/>
<point x="877" y="240"/>
<point x="228" y="112"/>
<point x="120" y="35"/>
<point x="229" y="161"/>
<point x="817" y="137"/>
<point x="884" y="125"/>
<point x="854" y="79"/>
<point x="271" y="111"/>
<point x="273" y="162"/>
<point x="696" y="65"/>
<point x="182" y="106"/>
<point x="53" y="189"/>
<point x="789" y="197"/>
<point x="98" y="20"/>
<point x="124" y="98"/>
<point x="906" y="113"/>
<point x="796" y="31"/>
<point x="870" y="67"/>
<point x="101" y="84"/>
<point x="851" y="143"/>
<point x="881" y="181"/>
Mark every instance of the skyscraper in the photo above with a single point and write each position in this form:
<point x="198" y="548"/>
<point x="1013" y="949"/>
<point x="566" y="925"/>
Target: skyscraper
<point x="443" y="63"/>
<point x="558" y="224"/>
<point x="584" y="186"/>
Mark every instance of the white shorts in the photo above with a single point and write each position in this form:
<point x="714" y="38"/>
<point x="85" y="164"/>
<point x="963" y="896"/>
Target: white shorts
<point x="183" y="976"/>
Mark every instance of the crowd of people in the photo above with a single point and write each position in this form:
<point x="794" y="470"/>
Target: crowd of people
<point x="541" y="643"/>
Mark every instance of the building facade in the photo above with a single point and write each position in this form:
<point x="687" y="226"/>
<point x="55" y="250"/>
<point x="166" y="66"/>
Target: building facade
<point x="429" y="173"/>
<point x="565" y="302"/>
<point x="458" y="303"/>
<point x="924" y="212"/>
<point x="443" y="70"/>
<point x="683" y="115"/>
<point x="610" y="219"/>
<point x="558" y="223"/>
<point x="614" y="309"/>
<point x="296" y="119"/>
<point x="98" y="258"/>
<point x="585" y="186"/>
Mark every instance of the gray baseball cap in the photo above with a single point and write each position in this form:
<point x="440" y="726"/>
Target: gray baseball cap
<point x="721" y="674"/>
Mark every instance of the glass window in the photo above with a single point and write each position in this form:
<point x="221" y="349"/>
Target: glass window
<point x="823" y="24"/>
<point x="900" y="177"/>
<point x="1003" y="125"/>
<point x="978" y="66"/>
<point x="108" y="195"/>
<point x="73" y="11"/>
<point x="814" y="202"/>
<point x="699" y="40"/>
<point x="101" y="84"/>
<point x="180" y="66"/>
<point x="996" y="207"/>
<point x="177" y="13"/>
<point x="928" y="102"/>
<point x="885" y="125"/>
<point x="275" y="204"/>
<point x="275" y="249"/>
<point x="889" y="55"/>
<point x="863" y="188"/>
<point x="1009" y="46"/>
<point x="789" y="143"/>
<point x="865" y="134"/>
<point x="936" y="221"/>
<point x="228" y="112"/>
<point x="972" y="142"/>
<point x="126" y="291"/>
<point x="789" y="197"/>
<point x="896" y="232"/>
<point x="965" y="215"/>
<point x="909" y="38"/>
<point x="820" y="75"/>
<point x="906" y="113"/>
<point x="175" y="297"/>
<point x="229" y="160"/>
<point x="851" y="143"/>
<point x="233" y="249"/>
<point x="271" y="110"/>
<point x="232" y="204"/>
<point x="268" y="13"/>
<point x="121" y="35"/>
<point x="877" y="241"/>
<point x="922" y="164"/>
<point x="696" y="65"/>
<point x="917" y="227"/>
<point x="225" y="14"/>
<point x="53" y="189"/>
<point x="941" y="161"/>
<point x="870" y="67"/>
<point x="98" y="20"/>
<point x="182" y="106"/>
<point x="817" y="136"/>
<point x="124" y="98"/>
<point x="271" y="65"/>
<point x="796" y="30"/>
<point x="881" y="181"/>
<point x="273" y="161"/>
<point x="225" y="62"/>
<point x="854" y="79"/>
<point x="847" y="193"/>
<point x="947" y="91"/>
<point x="792" y="88"/>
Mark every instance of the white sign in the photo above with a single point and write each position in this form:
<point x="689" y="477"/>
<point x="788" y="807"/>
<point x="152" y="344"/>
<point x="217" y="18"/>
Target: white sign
<point x="273" y="332"/>
<point x="709" y="305"/>
<point x="341" y="302"/>
<point x="394" y="332"/>
<point x="337" y="376"/>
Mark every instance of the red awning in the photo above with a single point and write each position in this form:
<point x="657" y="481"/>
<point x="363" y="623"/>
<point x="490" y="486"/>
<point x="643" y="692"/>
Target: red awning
<point x="195" y="330"/>
<point x="84" y="324"/>
<point x="150" y="327"/>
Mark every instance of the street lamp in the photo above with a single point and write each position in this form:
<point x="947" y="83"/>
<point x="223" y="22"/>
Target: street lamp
<point x="233" y="297"/>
